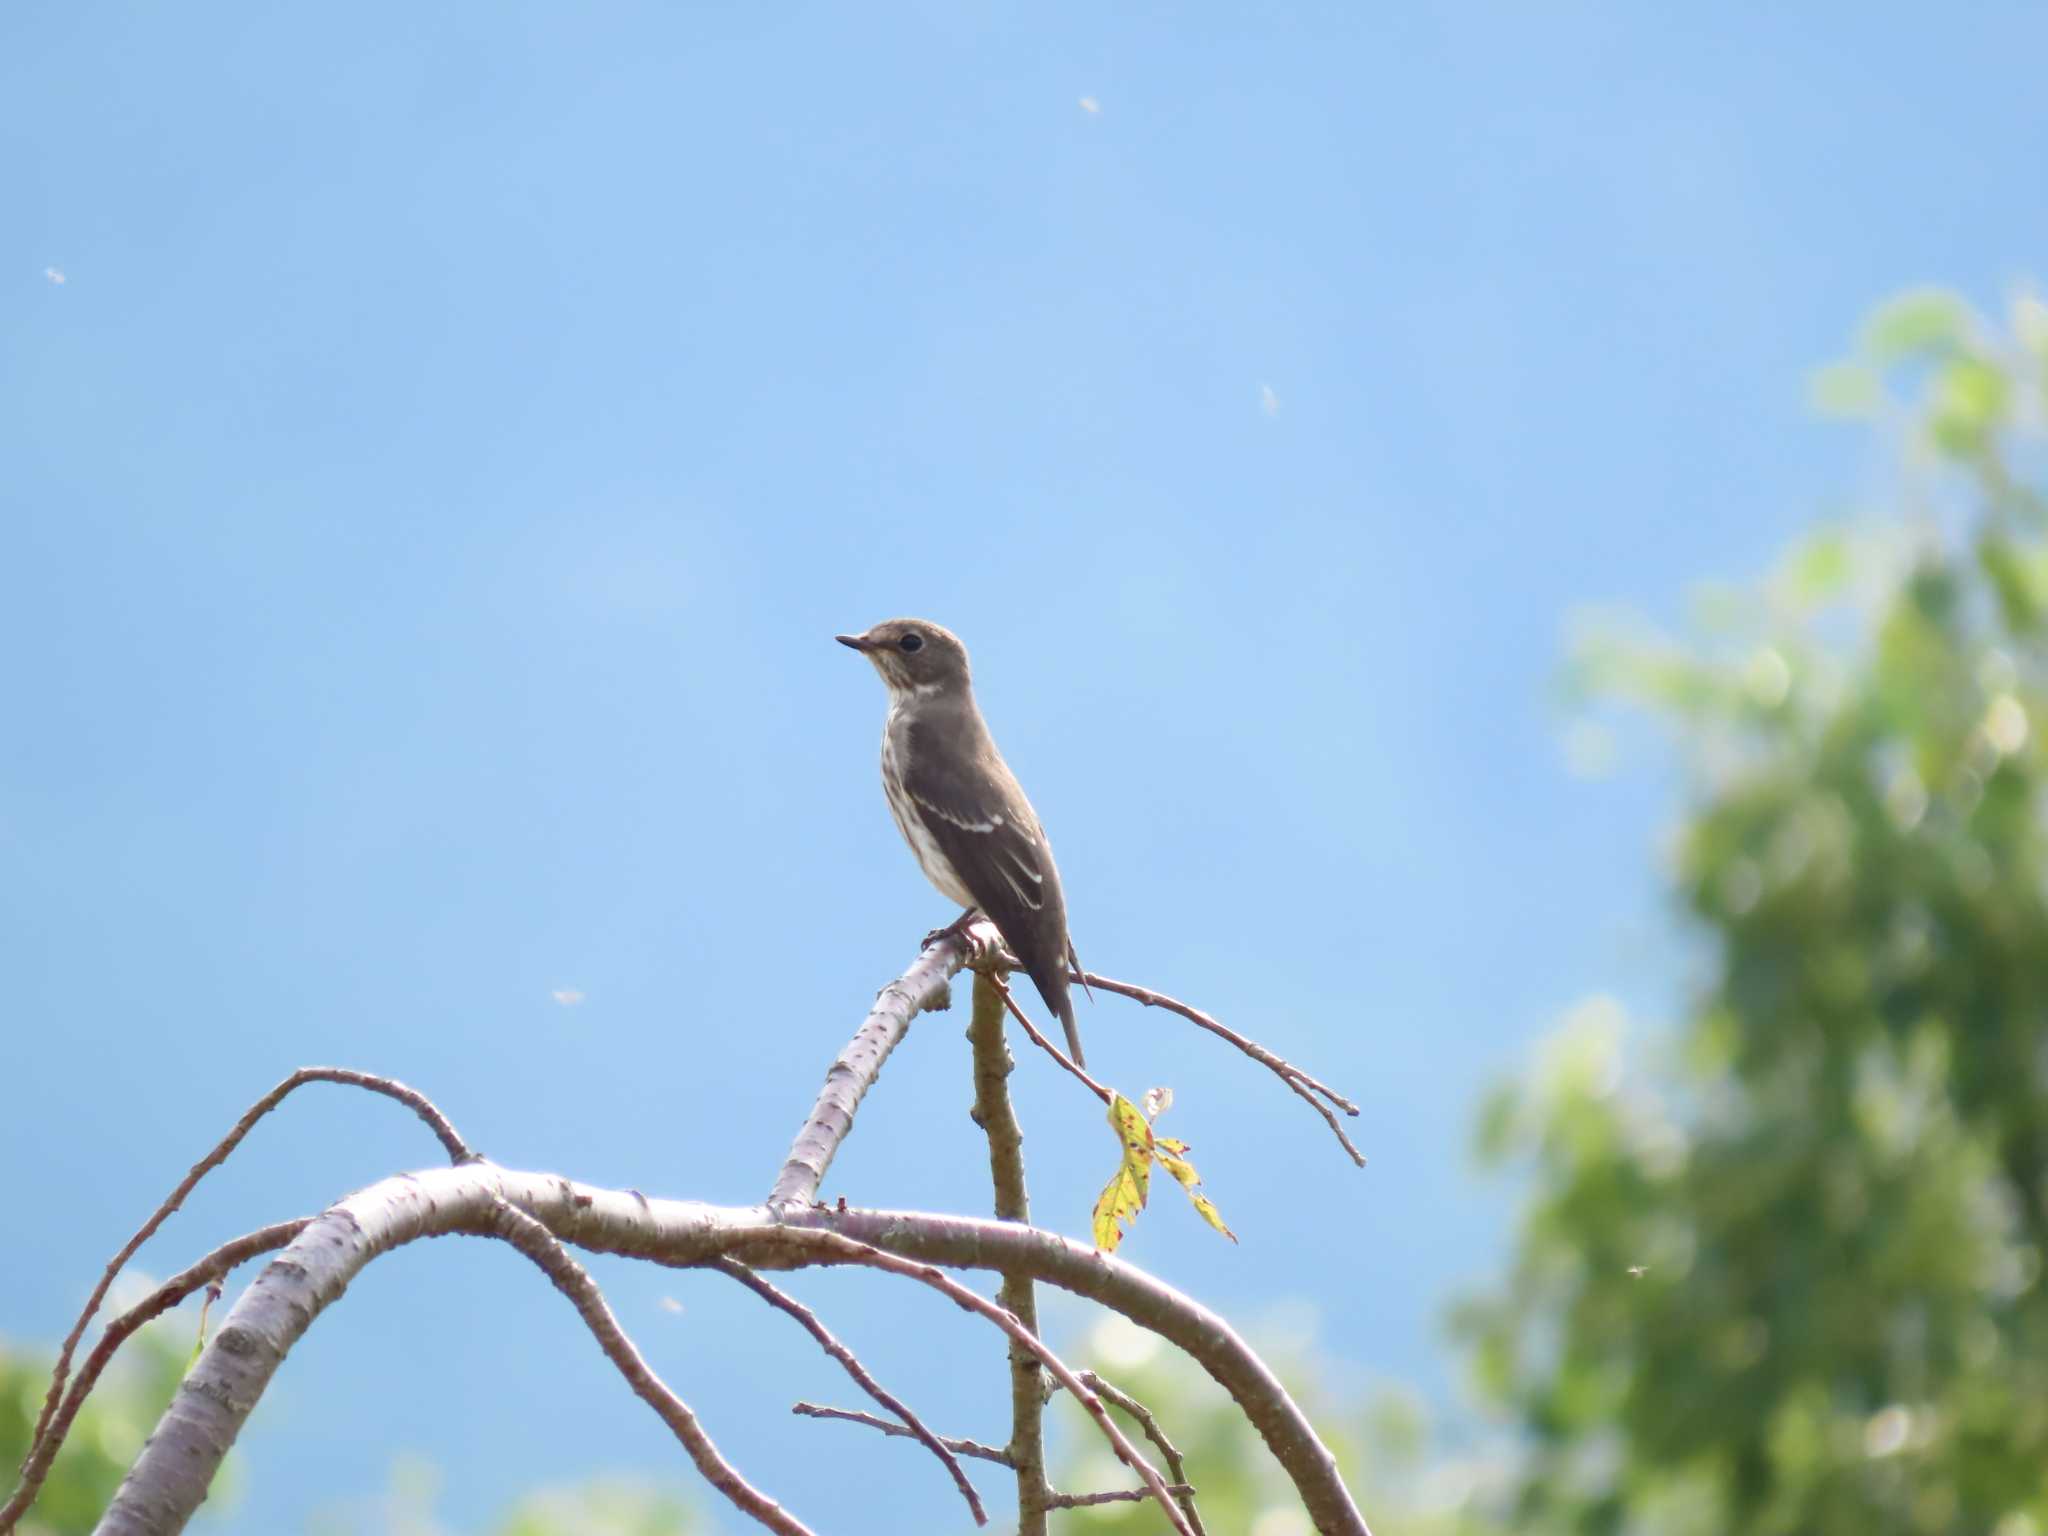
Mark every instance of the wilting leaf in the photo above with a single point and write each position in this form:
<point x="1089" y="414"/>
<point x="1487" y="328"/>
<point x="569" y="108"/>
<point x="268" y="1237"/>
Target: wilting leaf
<point x="1172" y="1157"/>
<point x="1124" y="1195"/>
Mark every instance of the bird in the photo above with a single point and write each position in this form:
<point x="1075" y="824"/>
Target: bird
<point x="962" y="811"/>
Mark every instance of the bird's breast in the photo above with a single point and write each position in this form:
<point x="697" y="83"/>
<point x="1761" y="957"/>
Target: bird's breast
<point x="910" y="821"/>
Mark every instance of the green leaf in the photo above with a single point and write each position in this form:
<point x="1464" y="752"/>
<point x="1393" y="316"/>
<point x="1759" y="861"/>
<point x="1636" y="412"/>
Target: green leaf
<point x="1969" y="400"/>
<point x="1918" y="323"/>
<point x="1845" y="390"/>
<point x="1820" y="567"/>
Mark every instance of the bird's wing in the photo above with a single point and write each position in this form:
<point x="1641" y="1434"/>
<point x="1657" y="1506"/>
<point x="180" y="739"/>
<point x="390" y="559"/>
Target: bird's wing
<point x="977" y="814"/>
<point x="986" y="829"/>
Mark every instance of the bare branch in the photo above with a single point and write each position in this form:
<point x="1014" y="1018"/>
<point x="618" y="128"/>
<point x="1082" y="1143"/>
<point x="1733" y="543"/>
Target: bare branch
<point x="1157" y="1436"/>
<point x="1045" y="1045"/>
<point x="831" y="1248"/>
<point x="171" y="1475"/>
<point x="780" y="1299"/>
<point x="922" y="986"/>
<point x="997" y="1117"/>
<point x="1311" y="1090"/>
<point x="959" y="1447"/>
<point x="574" y="1282"/>
<point x="1114" y="1496"/>
<point x="418" y="1103"/>
<point x="207" y="1272"/>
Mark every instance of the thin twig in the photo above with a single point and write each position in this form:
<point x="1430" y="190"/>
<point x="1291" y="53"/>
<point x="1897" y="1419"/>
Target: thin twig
<point x="782" y="1301"/>
<point x="573" y="1281"/>
<point x="1113" y="1496"/>
<point x="831" y="1248"/>
<point x="1044" y="1044"/>
<point x="997" y="1117"/>
<point x="207" y="1272"/>
<point x="952" y="1443"/>
<point x="1309" y="1088"/>
<point x="1157" y="1436"/>
<point x="418" y="1103"/>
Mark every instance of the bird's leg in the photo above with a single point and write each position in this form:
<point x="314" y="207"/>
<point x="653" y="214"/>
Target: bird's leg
<point x="957" y="929"/>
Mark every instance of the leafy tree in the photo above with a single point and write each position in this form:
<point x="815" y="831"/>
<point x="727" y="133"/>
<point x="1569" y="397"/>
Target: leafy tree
<point x="1788" y="1278"/>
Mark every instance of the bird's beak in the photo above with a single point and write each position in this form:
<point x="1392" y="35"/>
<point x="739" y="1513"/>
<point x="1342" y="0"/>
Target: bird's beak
<point x="857" y="642"/>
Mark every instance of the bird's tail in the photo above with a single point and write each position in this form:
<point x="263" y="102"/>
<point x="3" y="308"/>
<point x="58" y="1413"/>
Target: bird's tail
<point x="1073" y="1033"/>
<point x="1051" y="981"/>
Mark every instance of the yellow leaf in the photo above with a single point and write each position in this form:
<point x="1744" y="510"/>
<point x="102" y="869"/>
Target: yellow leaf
<point x="1125" y="1194"/>
<point x="1184" y="1172"/>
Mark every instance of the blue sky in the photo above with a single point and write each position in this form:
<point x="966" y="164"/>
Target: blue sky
<point x="429" y="494"/>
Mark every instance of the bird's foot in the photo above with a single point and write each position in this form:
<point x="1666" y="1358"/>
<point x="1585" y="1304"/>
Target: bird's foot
<point x="956" y="929"/>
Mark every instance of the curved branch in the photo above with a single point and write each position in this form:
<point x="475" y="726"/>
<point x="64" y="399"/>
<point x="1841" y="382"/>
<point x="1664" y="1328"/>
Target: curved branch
<point x="574" y="1282"/>
<point x="391" y="1088"/>
<point x="159" y="1301"/>
<point x="170" y="1477"/>
<point x="911" y="1424"/>
<point x="1308" y="1088"/>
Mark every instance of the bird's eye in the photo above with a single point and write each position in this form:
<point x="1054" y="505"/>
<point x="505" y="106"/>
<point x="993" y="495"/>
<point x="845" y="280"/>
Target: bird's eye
<point x="911" y="642"/>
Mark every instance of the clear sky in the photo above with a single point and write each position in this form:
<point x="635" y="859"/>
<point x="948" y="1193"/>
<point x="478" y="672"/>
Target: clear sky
<point x="438" y="443"/>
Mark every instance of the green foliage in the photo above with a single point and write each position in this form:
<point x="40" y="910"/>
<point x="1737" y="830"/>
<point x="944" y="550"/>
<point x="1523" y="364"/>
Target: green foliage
<point x="1790" y="1279"/>
<point x="1239" y="1487"/>
<point x="130" y="1397"/>
<point x="109" y="1430"/>
<point x="603" y="1506"/>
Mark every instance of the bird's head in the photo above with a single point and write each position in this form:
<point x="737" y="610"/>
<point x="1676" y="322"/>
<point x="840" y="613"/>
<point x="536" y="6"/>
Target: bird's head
<point x="914" y="656"/>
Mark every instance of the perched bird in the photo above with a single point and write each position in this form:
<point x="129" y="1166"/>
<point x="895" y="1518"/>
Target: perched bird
<point x="961" y="809"/>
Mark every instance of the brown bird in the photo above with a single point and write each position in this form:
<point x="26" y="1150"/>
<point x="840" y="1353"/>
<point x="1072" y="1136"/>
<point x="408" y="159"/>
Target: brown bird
<point x="961" y="809"/>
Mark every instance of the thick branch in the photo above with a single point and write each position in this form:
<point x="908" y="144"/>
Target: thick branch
<point x="207" y="1271"/>
<point x="924" y="985"/>
<point x="574" y="1282"/>
<point x="391" y="1088"/>
<point x="170" y="1477"/>
<point x="782" y="1301"/>
<point x="997" y="1117"/>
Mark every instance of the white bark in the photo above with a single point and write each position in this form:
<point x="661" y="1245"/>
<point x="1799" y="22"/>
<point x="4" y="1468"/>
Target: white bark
<point x="170" y="1477"/>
